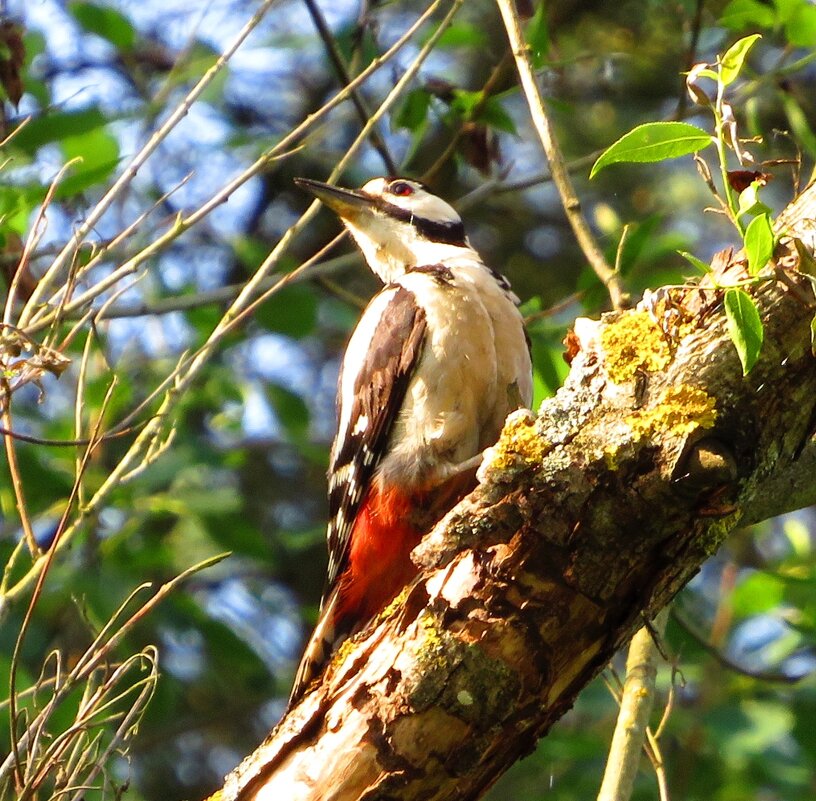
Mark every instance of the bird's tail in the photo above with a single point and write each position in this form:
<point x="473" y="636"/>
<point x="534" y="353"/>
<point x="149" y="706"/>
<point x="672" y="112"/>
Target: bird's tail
<point x="318" y="649"/>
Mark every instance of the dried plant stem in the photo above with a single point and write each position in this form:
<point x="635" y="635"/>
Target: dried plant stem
<point x="558" y="169"/>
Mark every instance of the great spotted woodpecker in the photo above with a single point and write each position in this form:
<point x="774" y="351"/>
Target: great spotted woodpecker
<point x="438" y="360"/>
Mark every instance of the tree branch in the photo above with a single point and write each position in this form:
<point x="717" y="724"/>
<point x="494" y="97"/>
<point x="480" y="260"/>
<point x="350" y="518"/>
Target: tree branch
<point x="587" y="517"/>
<point x="636" y="705"/>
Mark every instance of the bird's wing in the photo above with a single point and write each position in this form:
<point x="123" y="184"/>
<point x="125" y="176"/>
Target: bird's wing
<point x="377" y="368"/>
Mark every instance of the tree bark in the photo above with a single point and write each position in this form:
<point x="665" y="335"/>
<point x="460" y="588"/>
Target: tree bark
<point x="589" y="517"/>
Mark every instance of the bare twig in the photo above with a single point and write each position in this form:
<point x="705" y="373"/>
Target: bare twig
<point x="336" y="58"/>
<point x="39" y="320"/>
<point x="99" y="651"/>
<point x="772" y="676"/>
<point x="636" y="704"/>
<point x="137" y="162"/>
<point x="691" y="58"/>
<point x="14" y="473"/>
<point x="541" y="121"/>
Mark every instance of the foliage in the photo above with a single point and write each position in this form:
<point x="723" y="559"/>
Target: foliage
<point x="170" y="346"/>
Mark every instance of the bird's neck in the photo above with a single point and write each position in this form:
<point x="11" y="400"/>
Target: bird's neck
<point x="392" y="262"/>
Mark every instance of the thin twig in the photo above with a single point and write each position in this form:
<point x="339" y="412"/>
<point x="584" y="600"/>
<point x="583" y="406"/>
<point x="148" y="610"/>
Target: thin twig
<point x="541" y="122"/>
<point x="691" y="58"/>
<point x="281" y="149"/>
<point x="636" y="704"/>
<point x="138" y="161"/>
<point x="658" y="764"/>
<point x="336" y="58"/>
<point x="772" y="676"/>
<point x="14" y="474"/>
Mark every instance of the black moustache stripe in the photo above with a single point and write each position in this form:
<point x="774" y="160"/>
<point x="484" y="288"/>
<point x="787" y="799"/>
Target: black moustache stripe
<point x="448" y="233"/>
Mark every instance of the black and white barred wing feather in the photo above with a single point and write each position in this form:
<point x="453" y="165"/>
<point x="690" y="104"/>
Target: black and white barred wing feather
<point x="376" y="372"/>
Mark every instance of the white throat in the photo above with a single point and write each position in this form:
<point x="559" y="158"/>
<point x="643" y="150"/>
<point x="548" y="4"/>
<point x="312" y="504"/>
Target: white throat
<point x="392" y="251"/>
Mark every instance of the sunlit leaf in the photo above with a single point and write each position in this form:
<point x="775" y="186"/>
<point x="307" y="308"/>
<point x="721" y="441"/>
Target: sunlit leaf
<point x="749" y="202"/>
<point x="654" y="141"/>
<point x="99" y="154"/>
<point x="744" y="327"/>
<point x="813" y="336"/>
<point x="759" y="242"/>
<point x="734" y="58"/>
<point x="695" y="262"/>
<point x="54" y="126"/>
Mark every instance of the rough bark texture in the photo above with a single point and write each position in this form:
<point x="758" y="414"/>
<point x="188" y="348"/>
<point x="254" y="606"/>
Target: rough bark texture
<point x="588" y="517"/>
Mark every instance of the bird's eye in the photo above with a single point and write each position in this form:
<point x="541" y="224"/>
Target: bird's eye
<point x="401" y="189"/>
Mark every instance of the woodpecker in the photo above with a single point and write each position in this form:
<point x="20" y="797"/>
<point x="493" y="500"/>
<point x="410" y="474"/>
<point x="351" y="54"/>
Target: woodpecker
<point x="437" y="361"/>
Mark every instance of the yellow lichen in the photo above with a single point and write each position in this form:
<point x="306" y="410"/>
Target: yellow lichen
<point x="345" y="648"/>
<point x="679" y="411"/>
<point x="432" y="639"/>
<point x="519" y="437"/>
<point x="631" y="343"/>
<point x="395" y="604"/>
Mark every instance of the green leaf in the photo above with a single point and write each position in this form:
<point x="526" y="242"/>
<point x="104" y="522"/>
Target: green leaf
<point x="465" y="101"/>
<point x="731" y="63"/>
<point x="654" y="141"/>
<point x="757" y="593"/>
<point x="744" y="327"/>
<point x="494" y="116"/>
<point x="290" y="409"/>
<point x="105" y="22"/>
<point x="695" y="262"/>
<point x="463" y="34"/>
<point x="759" y="242"/>
<point x="99" y="151"/>
<point x="801" y="27"/>
<point x="413" y="111"/>
<point x="537" y="34"/>
<point x="56" y="126"/>
<point x="749" y="202"/>
<point x="741" y="14"/>
<point x="291" y="311"/>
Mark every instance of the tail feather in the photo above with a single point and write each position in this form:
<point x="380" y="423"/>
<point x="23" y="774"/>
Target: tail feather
<point x="318" y="649"/>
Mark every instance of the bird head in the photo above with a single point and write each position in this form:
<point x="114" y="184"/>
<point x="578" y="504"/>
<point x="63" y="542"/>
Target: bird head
<point x="397" y="223"/>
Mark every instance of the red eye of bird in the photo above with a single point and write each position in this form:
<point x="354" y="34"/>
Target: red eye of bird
<point x="401" y="189"/>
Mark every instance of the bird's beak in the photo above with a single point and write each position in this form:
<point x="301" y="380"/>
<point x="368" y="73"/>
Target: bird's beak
<point x="348" y="204"/>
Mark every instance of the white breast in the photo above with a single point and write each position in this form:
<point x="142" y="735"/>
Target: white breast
<point x="460" y="393"/>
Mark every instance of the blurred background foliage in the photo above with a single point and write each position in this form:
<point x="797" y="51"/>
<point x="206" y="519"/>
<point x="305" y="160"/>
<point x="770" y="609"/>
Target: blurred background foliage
<point x="246" y="470"/>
